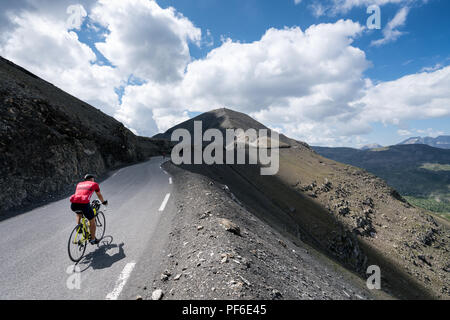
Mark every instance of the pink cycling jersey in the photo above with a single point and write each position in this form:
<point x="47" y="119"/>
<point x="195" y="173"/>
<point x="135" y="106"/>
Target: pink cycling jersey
<point x="84" y="192"/>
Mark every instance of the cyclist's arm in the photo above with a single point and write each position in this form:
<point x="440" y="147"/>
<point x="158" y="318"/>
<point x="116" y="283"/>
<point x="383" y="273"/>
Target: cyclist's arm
<point x="100" y="196"/>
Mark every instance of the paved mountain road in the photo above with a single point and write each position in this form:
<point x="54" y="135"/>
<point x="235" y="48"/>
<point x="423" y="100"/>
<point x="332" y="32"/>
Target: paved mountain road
<point x="34" y="263"/>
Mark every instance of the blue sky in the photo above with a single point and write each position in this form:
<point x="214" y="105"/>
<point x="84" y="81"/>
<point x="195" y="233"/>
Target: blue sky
<point x="425" y="44"/>
<point x="374" y="93"/>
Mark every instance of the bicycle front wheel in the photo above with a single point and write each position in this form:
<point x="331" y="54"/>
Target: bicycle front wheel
<point x="100" y="223"/>
<point x="77" y="244"/>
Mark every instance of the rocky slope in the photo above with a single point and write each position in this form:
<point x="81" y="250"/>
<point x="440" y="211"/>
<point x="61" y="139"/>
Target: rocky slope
<point x="220" y="250"/>
<point x="348" y="214"/>
<point x="49" y="139"/>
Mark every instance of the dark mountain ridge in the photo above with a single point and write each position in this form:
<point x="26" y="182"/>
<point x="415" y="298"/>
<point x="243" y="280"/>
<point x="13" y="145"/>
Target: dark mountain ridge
<point x="223" y="119"/>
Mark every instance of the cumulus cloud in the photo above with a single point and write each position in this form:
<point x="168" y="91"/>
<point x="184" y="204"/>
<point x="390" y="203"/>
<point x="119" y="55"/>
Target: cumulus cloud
<point x="417" y="96"/>
<point x="308" y="75"/>
<point x="144" y="39"/>
<point x="285" y="68"/>
<point x="152" y="107"/>
<point x="43" y="45"/>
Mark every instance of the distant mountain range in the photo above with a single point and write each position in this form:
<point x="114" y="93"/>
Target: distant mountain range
<point x="413" y="169"/>
<point x="442" y="142"/>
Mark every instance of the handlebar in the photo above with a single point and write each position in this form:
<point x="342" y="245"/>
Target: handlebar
<point x="97" y="204"/>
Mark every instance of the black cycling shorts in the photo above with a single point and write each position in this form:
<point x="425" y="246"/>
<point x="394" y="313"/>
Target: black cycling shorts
<point x="86" y="208"/>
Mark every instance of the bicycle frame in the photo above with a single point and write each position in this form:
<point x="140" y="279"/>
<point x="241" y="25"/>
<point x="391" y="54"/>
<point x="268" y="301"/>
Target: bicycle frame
<point x="85" y="233"/>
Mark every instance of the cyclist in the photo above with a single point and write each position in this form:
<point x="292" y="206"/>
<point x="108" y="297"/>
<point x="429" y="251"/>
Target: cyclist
<point x="81" y="201"/>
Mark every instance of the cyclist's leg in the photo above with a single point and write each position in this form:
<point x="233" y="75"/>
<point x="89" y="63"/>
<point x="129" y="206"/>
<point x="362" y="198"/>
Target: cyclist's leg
<point x="92" y="228"/>
<point x="89" y="214"/>
<point x="77" y="207"/>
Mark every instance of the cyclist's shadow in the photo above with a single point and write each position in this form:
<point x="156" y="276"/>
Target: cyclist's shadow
<point x="99" y="258"/>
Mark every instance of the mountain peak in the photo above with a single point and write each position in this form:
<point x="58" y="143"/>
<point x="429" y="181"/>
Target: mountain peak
<point x="223" y="119"/>
<point x="442" y="142"/>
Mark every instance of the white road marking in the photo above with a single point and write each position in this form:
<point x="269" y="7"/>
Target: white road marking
<point x="120" y="283"/>
<point x="163" y="204"/>
<point x="170" y="180"/>
<point x="165" y="171"/>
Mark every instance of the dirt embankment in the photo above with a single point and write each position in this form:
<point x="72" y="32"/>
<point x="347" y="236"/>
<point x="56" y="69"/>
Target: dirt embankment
<point x="49" y="139"/>
<point x="411" y="247"/>
<point x="219" y="250"/>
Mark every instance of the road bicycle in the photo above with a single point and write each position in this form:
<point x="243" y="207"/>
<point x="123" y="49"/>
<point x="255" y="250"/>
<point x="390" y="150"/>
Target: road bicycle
<point x="80" y="235"/>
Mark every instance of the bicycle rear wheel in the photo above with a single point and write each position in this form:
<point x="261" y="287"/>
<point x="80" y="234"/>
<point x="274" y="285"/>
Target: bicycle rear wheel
<point x="100" y="223"/>
<point x="77" y="244"/>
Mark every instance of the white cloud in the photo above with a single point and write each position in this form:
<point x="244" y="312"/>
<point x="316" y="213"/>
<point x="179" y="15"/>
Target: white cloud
<point x="390" y="32"/>
<point x="429" y="132"/>
<point x="403" y="132"/>
<point x="318" y="9"/>
<point x="42" y="45"/>
<point x="209" y="39"/>
<point x="151" y="108"/>
<point x="297" y="2"/>
<point x="144" y="39"/>
<point x="437" y="66"/>
<point x="307" y="76"/>
<point x="416" y="96"/>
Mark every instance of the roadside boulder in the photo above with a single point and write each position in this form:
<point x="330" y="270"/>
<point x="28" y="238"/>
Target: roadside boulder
<point x="230" y="226"/>
<point x="157" y="294"/>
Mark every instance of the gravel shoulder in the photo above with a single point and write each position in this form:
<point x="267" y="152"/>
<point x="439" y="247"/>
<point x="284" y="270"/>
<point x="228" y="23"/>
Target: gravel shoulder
<point x="219" y="250"/>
